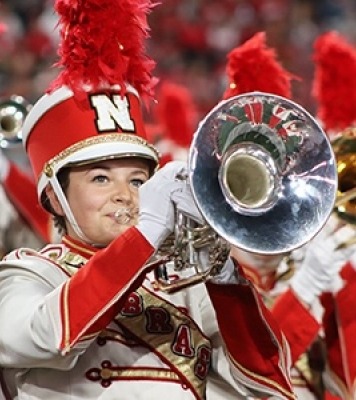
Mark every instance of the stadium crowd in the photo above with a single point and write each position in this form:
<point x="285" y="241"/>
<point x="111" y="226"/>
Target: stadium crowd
<point x="190" y="41"/>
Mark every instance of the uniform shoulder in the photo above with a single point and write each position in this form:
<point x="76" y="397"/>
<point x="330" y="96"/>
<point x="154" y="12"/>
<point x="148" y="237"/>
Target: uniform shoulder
<point x="42" y="262"/>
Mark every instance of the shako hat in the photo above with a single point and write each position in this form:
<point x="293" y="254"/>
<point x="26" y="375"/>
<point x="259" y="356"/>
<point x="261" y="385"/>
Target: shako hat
<point x="93" y="110"/>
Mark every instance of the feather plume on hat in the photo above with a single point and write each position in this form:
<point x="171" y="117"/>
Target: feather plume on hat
<point x="104" y="74"/>
<point x="102" y="43"/>
<point x="253" y="66"/>
<point x="335" y="81"/>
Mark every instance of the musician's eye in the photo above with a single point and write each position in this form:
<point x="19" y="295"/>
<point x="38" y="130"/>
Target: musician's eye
<point x="137" y="182"/>
<point x="100" y="178"/>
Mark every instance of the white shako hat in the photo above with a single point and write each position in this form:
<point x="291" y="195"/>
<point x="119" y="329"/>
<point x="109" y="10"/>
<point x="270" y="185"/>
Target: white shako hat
<point x="92" y="111"/>
<point x="59" y="131"/>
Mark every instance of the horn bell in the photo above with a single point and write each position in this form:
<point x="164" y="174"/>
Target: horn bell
<point x="263" y="173"/>
<point x="13" y="111"/>
<point x="344" y="146"/>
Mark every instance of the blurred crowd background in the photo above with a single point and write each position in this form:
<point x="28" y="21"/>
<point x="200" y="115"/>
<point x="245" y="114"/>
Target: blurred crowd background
<point x="189" y="41"/>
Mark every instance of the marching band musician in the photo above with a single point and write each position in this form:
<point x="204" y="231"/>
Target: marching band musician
<point x="84" y="318"/>
<point x="296" y="287"/>
<point x="22" y="222"/>
<point x="332" y="51"/>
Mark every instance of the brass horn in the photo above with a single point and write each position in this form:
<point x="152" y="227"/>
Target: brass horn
<point x="13" y="111"/>
<point x="344" y="146"/>
<point x="263" y="174"/>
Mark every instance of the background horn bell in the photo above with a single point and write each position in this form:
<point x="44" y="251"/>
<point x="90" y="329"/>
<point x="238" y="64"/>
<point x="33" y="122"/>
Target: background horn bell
<point x="13" y="111"/>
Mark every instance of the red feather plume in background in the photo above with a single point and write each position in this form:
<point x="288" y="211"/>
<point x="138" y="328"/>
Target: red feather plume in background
<point x="334" y="85"/>
<point x="103" y="43"/>
<point x="176" y="113"/>
<point x="253" y="66"/>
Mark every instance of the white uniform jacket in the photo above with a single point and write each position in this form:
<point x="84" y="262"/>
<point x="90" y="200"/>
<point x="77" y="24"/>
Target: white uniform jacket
<point x="83" y="323"/>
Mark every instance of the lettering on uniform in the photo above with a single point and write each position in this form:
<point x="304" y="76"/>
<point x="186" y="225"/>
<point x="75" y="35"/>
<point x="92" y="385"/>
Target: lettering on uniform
<point x="112" y="113"/>
<point x="158" y="320"/>
<point x="182" y="344"/>
<point x="133" y="305"/>
<point x="153" y="322"/>
<point x="202" y="366"/>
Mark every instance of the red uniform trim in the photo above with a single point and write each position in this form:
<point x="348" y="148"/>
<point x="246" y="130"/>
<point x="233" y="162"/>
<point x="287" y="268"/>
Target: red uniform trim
<point x="78" y="247"/>
<point x="252" y="337"/>
<point x="329" y="396"/>
<point x="22" y="192"/>
<point x="340" y="329"/>
<point x="296" y="322"/>
<point x="95" y="294"/>
<point x="265" y="283"/>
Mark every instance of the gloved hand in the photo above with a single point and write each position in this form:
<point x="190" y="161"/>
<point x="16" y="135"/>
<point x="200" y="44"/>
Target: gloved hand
<point x="353" y="259"/>
<point x="332" y="224"/>
<point x="156" y="216"/>
<point x="185" y="204"/>
<point x="228" y="274"/>
<point x="321" y="264"/>
<point x="4" y="166"/>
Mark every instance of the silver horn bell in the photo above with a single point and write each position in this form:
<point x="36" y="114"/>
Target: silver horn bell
<point x="13" y="111"/>
<point x="263" y="173"/>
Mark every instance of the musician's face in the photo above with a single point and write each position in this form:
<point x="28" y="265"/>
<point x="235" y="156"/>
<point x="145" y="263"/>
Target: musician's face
<point x="103" y="198"/>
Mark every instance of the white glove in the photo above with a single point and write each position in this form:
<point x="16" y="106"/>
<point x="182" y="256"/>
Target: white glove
<point x="353" y="260"/>
<point x="321" y="264"/>
<point x="186" y="204"/>
<point x="156" y="216"/>
<point x="4" y="166"/>
<point x="228" y="274"/>
<point x="332" y="225"/>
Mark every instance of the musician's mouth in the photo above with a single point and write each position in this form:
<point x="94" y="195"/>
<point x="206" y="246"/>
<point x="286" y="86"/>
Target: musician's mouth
<point x="125" y="215"/>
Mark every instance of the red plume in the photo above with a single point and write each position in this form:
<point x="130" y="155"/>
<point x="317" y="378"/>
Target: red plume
<point x="334" y="85"/>
<point x="254" y="67"/>
<point x="103" y="42"/>
<point x="176" y="113"/>
<point x="2" y="28"/>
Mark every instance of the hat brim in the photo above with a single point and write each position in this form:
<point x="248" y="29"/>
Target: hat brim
<point x="95" y="152"/>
